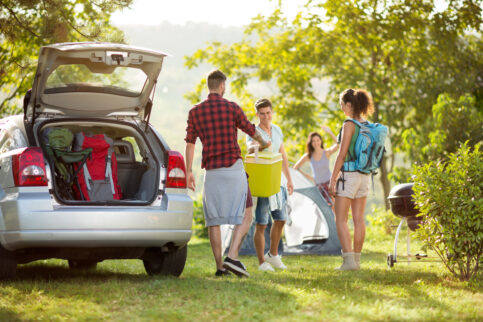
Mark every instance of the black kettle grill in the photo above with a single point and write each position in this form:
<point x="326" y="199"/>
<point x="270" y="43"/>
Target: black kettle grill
<point x="402" y="205"/>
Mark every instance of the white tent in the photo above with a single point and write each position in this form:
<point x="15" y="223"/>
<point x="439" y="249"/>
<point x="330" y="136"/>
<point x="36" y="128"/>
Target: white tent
<point x="306" y="221"/>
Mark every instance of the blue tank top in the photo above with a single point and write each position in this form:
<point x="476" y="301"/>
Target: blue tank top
<point x="320" y="169"/>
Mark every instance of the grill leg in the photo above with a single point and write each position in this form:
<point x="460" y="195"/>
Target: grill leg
<point x="397" y="237"/>
<point x="407" y="246"/>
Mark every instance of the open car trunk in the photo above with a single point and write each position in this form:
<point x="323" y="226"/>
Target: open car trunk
<point x="96" y="162"/>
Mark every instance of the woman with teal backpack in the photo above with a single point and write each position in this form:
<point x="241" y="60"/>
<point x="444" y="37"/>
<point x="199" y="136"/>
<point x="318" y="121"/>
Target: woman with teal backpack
<point x="350" y="188"/>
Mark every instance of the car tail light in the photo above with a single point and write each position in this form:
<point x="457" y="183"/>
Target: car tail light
<point x="28" y="168"/>
<point x="176" y="177"/>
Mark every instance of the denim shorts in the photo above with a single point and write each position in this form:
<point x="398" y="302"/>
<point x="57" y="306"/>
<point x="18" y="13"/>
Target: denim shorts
<point x="263" y="210"/>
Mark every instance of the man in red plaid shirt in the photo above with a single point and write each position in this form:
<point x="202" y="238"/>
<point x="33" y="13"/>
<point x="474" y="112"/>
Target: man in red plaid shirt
<point x="225" y="193"/>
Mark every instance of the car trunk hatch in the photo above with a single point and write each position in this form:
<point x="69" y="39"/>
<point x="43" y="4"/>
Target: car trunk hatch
<point x="94" y="80"/>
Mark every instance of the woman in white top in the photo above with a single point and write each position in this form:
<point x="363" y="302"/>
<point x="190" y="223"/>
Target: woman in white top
<point x="319" y="162"/>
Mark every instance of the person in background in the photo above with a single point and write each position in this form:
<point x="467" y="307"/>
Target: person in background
<point x="350" y="188"/>
<point x="319" y="162"/>
<point x="225" y="193"/>
<point x="273" y="205"/>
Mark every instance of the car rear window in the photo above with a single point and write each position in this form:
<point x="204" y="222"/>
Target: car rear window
<point x="79" y="78"/>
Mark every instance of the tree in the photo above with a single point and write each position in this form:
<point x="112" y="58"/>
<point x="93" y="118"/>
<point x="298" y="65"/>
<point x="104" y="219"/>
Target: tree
<point x="404" y="52"/>
<point x="26" y="25"/>
<point x="453" y="122"/>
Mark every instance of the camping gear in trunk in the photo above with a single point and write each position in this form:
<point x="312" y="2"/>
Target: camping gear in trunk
<point x="114" y="163"/>
<point x="58" y="146"/>
<point x="264" y="173"/>
<point x="98" y="175"/>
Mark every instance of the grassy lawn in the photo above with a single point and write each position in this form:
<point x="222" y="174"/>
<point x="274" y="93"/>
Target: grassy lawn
<point x="309" y="290"/>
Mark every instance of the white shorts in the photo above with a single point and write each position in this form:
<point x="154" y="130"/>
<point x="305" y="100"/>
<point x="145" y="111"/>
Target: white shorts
<point x="356" y="185"/>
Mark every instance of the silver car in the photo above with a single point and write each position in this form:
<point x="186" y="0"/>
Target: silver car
<point x="99" y="89"/>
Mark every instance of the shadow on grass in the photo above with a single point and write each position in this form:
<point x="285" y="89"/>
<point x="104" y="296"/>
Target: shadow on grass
<point x="195" y="293"/>
<point x="8" y="315"/>
<point x="50" y="272"/>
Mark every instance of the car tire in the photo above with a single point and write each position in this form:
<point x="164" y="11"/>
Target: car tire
<point x="171" y="263"/>
<point x="8" y="265"/>
<point x="82" y="264"/>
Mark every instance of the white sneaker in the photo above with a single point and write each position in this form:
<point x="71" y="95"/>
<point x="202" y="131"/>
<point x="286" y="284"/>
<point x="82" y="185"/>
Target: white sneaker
<point x="275" y="261"/>
<point x="266" y="267"/>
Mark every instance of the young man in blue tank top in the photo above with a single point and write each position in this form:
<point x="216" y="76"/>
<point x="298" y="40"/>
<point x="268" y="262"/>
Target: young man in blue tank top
<point x="273" y="205"/>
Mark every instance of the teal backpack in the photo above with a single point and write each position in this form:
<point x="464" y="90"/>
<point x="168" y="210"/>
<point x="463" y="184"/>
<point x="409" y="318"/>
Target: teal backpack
<point x="369" y="148"/>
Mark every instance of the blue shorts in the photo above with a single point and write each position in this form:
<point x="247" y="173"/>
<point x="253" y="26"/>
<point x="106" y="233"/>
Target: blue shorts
<point x="263" y="210"/>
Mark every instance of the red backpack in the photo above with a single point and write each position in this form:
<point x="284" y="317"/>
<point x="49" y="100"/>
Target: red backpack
<point x="98" y="177"/>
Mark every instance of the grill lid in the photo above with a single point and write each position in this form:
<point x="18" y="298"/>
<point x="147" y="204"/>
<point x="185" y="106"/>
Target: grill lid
<point x="401" y="191"/>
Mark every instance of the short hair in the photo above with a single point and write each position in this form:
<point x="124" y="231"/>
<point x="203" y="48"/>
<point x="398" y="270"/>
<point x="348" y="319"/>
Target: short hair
<point x="263" y="102"/>
<point x="215" y="78"/>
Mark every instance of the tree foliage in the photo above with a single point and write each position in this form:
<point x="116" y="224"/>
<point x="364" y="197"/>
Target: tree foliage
<point x="453" y="122"/>
<point x="450" y="197"/>
<point x="405" y="52"/>
<point x="26" y="25"/>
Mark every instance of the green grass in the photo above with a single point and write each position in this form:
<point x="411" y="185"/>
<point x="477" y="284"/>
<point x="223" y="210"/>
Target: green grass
<point x="309" y="290"/>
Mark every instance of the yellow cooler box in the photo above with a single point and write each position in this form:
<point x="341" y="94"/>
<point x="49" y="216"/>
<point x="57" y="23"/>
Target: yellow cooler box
<point x="265" y="173"/>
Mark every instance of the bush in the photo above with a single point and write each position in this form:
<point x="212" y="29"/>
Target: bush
<point x="383" y="220"/>
<point x="199" y="227"/>
<point x="449" y="197"/>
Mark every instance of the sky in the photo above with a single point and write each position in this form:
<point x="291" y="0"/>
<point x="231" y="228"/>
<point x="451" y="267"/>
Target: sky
<point x="220" y="12"/>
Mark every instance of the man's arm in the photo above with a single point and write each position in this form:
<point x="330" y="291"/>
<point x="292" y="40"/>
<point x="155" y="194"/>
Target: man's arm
<point x="262" y="143"/>
<point x="189" y="153"/>
<point x="285" y="170"/>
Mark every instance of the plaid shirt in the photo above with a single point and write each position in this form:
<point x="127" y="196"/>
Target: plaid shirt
<point x="216" y="122"/>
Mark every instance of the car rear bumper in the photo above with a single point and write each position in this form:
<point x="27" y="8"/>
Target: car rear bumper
<point x="32" y="220"/>
<point x="14" y="240"/>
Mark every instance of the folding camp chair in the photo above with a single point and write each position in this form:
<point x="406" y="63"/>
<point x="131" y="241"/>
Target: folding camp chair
<point x="58" y="146"/>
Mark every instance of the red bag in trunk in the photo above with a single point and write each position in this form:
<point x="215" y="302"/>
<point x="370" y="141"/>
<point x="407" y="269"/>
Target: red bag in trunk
<point x="98" y="177"/>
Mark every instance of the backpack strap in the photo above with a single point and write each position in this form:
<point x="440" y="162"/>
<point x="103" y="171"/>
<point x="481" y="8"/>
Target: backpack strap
<point x="341" y="179"/>
<point x="372" y="178"/>
<point x="356" y="122"/>
<point x="87" y="176"/>
<point x="108" y="173"/>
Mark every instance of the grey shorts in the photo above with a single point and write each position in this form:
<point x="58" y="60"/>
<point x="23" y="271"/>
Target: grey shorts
<point x="356" y="185"/>
<point x="224" y="195"/>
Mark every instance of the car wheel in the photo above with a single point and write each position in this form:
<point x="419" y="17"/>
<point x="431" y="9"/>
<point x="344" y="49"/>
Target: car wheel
<point x="171" y="263"/>
<point x="8" y="265"/>
<point x="82" y="264"/>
